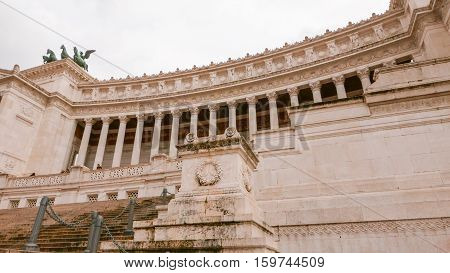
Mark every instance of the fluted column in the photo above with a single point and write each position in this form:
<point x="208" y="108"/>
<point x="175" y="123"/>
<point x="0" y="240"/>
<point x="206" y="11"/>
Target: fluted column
<point x="232" y="114"/>
<point x="315" y="87"/>
<point x="138" y="139"/>
<point x="84" y="142"/>
<point x="293" y="94"/>
<point x="174" y="133"/>
<point x="194" y="120"/>
<point x="252" y="125"/>
<point x="340" y="86"/>
<point x="364" y="76"/>
<point x="273" y="110"/>
<point x="213" y="119"/>
<point x="102" y="143"/>
<point x="156" y="134"/>
<point x="119" y="142"/>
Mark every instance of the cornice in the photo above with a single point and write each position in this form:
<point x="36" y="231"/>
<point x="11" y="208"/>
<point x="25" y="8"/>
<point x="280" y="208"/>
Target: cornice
<point x="78" y="74"/>
<point x="259" y="57"/>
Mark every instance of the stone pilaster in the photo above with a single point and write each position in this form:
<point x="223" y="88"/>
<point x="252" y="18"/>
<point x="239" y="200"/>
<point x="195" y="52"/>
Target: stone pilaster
<point x="119" y="142"/>
<point x="213" y="119"/>
<point x="315" y="87"/>
<point x="156" y="134"/>
<point x="232" y="114"/>
<point x="273" y="110"/>
<point x="102" y="143"/>
<point x="174" y="133"/>
<point x="138" y="139"/>
<point x="194" y="120"/>
<point x="84" y="142"/>
<point x="340" y="87"/>
<point x="252" y="125"/>
<point x="293" y="94"/>
<point x="364" y="76"/>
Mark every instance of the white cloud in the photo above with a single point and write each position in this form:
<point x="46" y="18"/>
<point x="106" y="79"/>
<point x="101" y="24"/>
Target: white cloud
<point x="149" y="36"/>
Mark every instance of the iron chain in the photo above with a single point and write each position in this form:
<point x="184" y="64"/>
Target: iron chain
<point x="58" y="219"/>
<point x="108" y="232"/>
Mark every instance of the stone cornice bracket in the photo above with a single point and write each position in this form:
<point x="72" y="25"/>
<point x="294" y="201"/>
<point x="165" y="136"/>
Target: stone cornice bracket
<point x="140" y="117"/>
<point x="315" y="85"/>
<point x="339" y="79"/>
<point x="89" y="121"/>
<point x="213" y="107"/>
<point x="158" y="115"/>
<point x="176" y="113"/>
<point x="106" y="120"/>
<point x="194" y="110"/>
<point x="232" y="104"/>
<point x="292" y="91"/>
<point x="251" y="100"/>
<point x="272" y="96"/>
<point x="363" y="72"/>
<point x="123" y="119"/>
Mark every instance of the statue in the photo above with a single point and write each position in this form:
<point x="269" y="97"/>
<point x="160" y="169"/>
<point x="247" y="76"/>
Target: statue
<point x="79" y="57"/>
<point x="50" y="58"/>
<point x="64" y="54"/>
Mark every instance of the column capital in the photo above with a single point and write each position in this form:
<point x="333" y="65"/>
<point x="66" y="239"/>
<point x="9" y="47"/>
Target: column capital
<point x="140" y="117"/>
<point x="89" y="121"/>
<point x="363" y="72"/>
<point x="124" y="119"/>
<point x="339" y="79"/>
<point x="213" y="107"/>
<point x="158" y="115"/>
<point x="106" y="120"/>
<point x="176" y="113"/>
<point x="232" y="104"/>
<point x="272" y="96"/>
<point x="315" y="85"/>
<point x="251" y="100"/>
<point x="194" y="110"/>
<point x="293" y="91"/>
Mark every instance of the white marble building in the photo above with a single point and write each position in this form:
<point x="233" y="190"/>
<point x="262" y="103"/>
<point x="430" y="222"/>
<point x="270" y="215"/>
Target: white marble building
<point x="351" y="129"/>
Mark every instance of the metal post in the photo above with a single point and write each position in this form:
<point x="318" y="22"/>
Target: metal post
<point x="31" y="244"/>
<point x="129" y="230"/>
<point x="91" y="232"/>
<point x="97" y="233"/>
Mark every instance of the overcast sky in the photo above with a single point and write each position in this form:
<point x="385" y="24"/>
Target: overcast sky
<point x="150" y="36"/>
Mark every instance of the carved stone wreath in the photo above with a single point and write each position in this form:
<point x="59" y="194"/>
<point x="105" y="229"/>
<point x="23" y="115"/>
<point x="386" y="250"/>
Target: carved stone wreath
<point x="208" y="173"/>
<point x="190" y="138"/>
<point x="230" y="132"/>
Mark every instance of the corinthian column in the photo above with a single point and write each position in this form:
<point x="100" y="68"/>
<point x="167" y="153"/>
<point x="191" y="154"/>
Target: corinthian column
<point x="364" y="76"/>
<point x="273" y="110"/>
<point x="138" y="139"/>
<point x="156" y="134"/>
<point x="194" y="120"/>
<point x="213" y="119"/>
<point x="232" y="114"/>
<point x="84" y="142"/>
<point x="174" y="133"/>
<point x="119" y="142"/>
<point x="293" y="93"/>
<point x="252" y="125"/>
<point x="340" y="87"/>
<point x="315" y="87"/>
<point x="102" y="143"/>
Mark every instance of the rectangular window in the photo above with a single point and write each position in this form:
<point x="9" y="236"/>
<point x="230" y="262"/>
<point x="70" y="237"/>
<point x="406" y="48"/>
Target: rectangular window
<point x="132" y="194"/>
<point x="112" y="196"/>
<point x="14" y="204"/>
<point x="31" y="203"/>
<point x="92" y="198"/>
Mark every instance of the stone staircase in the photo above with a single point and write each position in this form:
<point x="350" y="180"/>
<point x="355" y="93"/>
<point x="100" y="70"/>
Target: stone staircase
<point x="16" y="224"/>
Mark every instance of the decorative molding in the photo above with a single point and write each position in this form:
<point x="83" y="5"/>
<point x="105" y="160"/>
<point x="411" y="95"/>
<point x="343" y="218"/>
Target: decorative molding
<point x="208" y="173"/>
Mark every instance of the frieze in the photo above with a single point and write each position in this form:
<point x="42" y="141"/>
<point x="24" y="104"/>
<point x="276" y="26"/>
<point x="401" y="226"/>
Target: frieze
<point x="37" y="181"/>
<point x="413" y="105"/>
<point x="367" y="227"/>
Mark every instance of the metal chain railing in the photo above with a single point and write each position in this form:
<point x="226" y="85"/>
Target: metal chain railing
<point x="108" y="232"/>
<point x="61" y="221"/>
